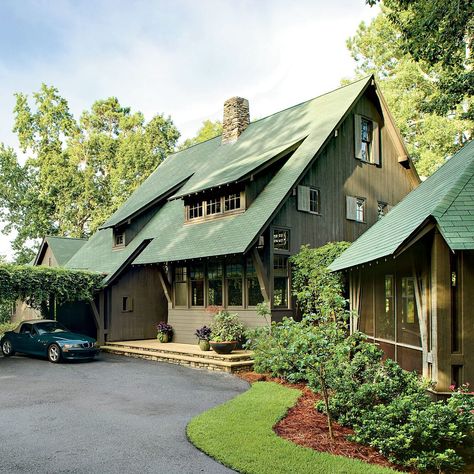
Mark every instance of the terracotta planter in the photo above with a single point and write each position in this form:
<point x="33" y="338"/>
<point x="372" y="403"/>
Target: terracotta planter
<point x="163" y="337"/>
<point x="204" y="345"/>
<point x="223" y="347"/>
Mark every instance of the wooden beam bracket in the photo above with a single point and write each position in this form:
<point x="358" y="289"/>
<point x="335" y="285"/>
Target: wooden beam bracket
<point x="261" y="275"/>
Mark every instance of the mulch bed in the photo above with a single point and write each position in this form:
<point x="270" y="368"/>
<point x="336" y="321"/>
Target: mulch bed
<point x="307" y="427"/>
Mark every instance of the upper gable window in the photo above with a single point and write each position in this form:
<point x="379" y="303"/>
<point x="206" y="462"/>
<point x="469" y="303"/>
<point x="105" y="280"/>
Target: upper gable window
<point x="366" y="140"/>
<point x="213" y="206"/>
<point x="382" y="209"/>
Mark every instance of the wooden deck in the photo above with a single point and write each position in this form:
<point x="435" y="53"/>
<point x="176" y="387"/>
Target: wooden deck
<point x="182" y="354"/>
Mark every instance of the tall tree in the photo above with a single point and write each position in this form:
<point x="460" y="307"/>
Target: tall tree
<point x="409" y="85"/>
<point x="208" y="130"/>
<point x="439" y="33"/>
<point x="77" y="172"/>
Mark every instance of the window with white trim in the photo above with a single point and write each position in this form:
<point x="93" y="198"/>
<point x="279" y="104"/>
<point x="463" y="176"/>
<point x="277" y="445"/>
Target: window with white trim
<point x="308" y="199"/>
<point x="195" y="210"/>
<point x="232" y="202"/>
<point x="366" y="139"/>
<point x="213" y="206"/>
<point x="355" y="208"/>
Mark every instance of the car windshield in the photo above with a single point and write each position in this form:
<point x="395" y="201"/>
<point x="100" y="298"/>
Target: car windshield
<point x="49" y="327"/>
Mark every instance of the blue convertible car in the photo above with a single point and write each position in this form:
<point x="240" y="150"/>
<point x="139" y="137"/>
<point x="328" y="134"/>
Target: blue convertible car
<point x="44" y="337"/>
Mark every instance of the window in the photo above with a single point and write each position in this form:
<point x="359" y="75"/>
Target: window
<point x="215" y="274"/>
<point x="366" y="140"/>
<point x="314" y="200"/>
<point x="232" y="202"/>
<point x="26" y="329"/>
<point x="408" y="329"/>
<point x="280" y="281"/>
<point x="382" y="209"/>
<point x="213" y="206"/>
<point x="195" y="210"/>
<point x="234" y="275"/>
<point x="281" y="239"/>
<point x="119" y="240"/>
<point x="180" y="286"/>
<point x="196" y="275"/>
<point x="127" y="304"/>
<point x="355" y="208"/>
<point x="254" y="294"/>
<point x="308" y="199"/>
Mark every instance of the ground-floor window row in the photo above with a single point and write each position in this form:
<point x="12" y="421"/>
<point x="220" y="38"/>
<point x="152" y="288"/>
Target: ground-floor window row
<point x="228" y="283"/>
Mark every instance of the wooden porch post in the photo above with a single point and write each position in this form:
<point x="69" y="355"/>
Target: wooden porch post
<point x="441" y="313"/>
<point x="261" y="275"/>
<point x="165" y="284"/>
<point x="99" y="317"/>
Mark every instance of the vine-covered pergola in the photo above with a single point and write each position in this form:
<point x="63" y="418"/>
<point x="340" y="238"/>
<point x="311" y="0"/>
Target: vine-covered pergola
<point x="44" y="287"/>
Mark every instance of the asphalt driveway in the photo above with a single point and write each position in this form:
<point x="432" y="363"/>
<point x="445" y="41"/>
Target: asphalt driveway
<point x="113" y="415"/>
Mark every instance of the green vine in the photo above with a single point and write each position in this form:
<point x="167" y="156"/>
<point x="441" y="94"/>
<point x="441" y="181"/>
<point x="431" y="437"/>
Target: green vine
<point x="39" y="286"/>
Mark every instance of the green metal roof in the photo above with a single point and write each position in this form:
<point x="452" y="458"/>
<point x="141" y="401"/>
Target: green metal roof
<point x="63" y="248"/>
<point x="447" y="196"/>
<point x="172" y="239"/>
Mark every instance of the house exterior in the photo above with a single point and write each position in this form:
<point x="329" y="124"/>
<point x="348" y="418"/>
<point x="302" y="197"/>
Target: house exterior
<point x="412" y="276"/>
<point x="53" y="252"/>
<point x="215" y="224"/>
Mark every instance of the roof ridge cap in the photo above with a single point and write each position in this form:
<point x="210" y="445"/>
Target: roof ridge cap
<point x="64" y="237"/>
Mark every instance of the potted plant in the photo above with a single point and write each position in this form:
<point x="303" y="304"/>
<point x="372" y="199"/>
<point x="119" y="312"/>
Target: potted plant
<point x="226" y="331"/>
<point x="204" y="335"/>
<point x="164" y="332"/>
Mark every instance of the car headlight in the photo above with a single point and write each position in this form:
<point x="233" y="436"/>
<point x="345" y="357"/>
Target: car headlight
<point x="72" y="346"/>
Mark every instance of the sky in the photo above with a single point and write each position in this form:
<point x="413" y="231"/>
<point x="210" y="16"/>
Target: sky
<point x="182" y="58"/>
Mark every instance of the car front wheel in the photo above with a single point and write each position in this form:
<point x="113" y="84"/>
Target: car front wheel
<point x="54" y="353"/>
<point x="7" y="348"/>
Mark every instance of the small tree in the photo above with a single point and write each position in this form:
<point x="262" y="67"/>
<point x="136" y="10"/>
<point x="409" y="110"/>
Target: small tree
<point x="316" y="288"/>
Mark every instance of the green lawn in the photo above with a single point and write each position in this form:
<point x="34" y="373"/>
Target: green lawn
<point x="239" y="434"/>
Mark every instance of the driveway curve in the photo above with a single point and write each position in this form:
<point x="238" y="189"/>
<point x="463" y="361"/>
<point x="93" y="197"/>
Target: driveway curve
<point x="113" y="415"/>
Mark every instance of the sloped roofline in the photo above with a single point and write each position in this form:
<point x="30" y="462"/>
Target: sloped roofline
<point x="45" y="242"/>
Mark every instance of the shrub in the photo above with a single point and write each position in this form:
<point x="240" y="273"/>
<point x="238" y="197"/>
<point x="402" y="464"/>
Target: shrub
<point x="226" y="327"/>
<point x="4" y="327"/>
<point x="316" y="288"/>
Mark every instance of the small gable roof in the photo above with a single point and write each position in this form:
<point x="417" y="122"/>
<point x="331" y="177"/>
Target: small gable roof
<point x="447" y="197"/>
<point x="304" y="129"/>
<point x="63" y="248"/>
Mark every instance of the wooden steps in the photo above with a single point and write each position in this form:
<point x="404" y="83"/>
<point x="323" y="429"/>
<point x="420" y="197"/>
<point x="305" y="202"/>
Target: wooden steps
<point x="182" y="354"/>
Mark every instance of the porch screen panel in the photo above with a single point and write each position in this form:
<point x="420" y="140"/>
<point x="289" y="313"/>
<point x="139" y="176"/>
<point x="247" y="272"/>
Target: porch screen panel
<point x="385" y="309"/>
<point x="196" y="274"/>
<point x="254" y="295"/>
<point x="408" y="328"/>
<point x="234" y="276"/>
<point x="215" y="274"/>
<point x="280" y="281"/>
<point x="180" y="286"/>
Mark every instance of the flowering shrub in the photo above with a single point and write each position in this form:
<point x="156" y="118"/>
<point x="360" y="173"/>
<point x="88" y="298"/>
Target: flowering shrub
<point x="164" y="328"/>
<point x="203" y="334"/>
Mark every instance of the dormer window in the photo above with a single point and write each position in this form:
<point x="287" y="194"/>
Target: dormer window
<point x="119" y="239"/>
<point x="212" y="207"/>
<point x="195" y="210"/>
<point x="232" y="202"/>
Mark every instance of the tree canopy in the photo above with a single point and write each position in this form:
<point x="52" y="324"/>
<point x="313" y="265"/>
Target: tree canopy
<point x="414" y="90"/>
<point x="208" y="130"/>
<point x="77" y="172"/>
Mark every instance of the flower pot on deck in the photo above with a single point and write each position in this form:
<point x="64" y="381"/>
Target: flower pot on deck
<point x="223" y="347"/>
<point x="204" y="345"/>
<point x="163" y="337"/>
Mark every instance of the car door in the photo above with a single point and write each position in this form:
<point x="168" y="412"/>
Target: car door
<point x="23" y="338"/>
<point x="35" y="345"/>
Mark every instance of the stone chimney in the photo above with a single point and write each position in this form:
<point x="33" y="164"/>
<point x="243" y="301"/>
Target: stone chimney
<point x="236" y="119"/>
